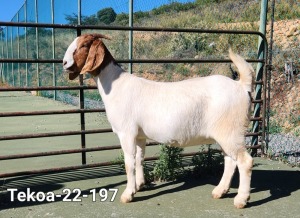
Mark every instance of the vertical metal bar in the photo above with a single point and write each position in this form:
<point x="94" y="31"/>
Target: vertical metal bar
<point x="26" y="45"/>
<point x="79" y="13"/>
<point x="259" y="74"/>
<point x="53" y="49"/>
<point x="269" y="75"/>
<point x="12" y="56"/>
<point x="81" y="96"/>
<point x="2" y="55"/>
<point x="130" y="43"/>
<point x="7" y="77"/>
<point x="37" y="43"/>
<point x="18" y="35"/>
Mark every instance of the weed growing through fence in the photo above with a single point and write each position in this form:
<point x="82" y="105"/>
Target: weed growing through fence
<point x="169" y="165"/>
<point x="120" y="161"/>
<point x="207" y="162"/>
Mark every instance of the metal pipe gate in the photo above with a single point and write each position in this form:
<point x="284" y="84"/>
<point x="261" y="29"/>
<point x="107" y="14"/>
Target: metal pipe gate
<point x="82" y="111"/>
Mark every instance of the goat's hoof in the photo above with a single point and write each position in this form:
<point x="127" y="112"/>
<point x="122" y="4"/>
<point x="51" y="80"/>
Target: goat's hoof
<point x="126" y="198"/>
<point x="218" y="192"/>
<point x="240" y="201"/>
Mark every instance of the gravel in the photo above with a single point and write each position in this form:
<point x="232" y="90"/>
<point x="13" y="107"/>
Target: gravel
<point x="286" y="147"/>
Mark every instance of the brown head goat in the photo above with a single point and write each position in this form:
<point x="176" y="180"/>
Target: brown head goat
<point x="190" y="112"/>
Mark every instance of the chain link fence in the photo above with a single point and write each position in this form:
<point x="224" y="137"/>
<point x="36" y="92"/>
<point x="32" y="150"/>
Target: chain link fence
<point x="49" y="43"/>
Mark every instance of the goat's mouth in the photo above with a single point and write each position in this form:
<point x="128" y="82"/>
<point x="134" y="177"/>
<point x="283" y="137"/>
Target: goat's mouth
<point x="73" y="72"/>
<point x="73" y="75"/>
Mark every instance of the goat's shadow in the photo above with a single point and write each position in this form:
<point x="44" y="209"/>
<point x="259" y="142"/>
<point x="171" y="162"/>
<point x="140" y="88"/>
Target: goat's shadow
<point x="280" y="184"/>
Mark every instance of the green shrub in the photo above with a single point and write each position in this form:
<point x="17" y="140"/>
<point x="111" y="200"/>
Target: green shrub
<point x="207" y="162"/>
<point x="106" y="15"/>
<point x="169" y="165"/>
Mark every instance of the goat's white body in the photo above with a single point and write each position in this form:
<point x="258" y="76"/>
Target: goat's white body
<point x="191" y="112"/>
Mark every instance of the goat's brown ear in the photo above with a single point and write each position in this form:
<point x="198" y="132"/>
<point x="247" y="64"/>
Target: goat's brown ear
<point x="94" y="58"/>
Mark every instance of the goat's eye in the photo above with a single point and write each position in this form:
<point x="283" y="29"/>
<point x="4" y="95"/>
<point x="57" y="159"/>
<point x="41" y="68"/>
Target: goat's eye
<point x="85" y="45"/>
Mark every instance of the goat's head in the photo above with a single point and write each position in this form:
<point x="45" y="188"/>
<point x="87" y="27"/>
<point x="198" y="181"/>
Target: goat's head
<point x="86" y="54"/>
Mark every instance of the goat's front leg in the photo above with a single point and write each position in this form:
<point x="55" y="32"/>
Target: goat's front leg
<point x="140" y="152"/>
<point x="129" y="149"/>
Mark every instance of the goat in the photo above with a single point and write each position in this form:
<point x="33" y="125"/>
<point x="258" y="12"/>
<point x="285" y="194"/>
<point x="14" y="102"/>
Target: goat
<point x="190" y="112"/>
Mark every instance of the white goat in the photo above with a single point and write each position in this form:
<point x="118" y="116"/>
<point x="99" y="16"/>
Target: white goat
<point x="190" y="112"/>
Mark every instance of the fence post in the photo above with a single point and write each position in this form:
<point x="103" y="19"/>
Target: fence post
<point x="37" y="44"/>
<point x="2" y="55"/>
<point x="6" y="42"/>
<point x="269" y="74"/>
<point x="130" y="43"/>
<point x="259" y="74"/>
<point x="53" y="49"/>
<point x="26" y="45"/>
<point x="18" y="44"/>
<point x="81" y="96"/>
<point x="12" y="56"/>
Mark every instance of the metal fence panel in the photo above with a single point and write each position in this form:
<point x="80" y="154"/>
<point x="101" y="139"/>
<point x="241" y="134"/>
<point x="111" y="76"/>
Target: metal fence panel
<point x="162" y="53"/>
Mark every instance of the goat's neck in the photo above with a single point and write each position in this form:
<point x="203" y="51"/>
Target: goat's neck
<point x="107" y="77"/>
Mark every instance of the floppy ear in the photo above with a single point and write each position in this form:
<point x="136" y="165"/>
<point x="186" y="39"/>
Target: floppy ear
<point x="94" y="58"/>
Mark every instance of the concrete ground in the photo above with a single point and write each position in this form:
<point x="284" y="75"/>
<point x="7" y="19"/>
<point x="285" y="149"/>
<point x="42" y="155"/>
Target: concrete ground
<point x="275" y="186"/>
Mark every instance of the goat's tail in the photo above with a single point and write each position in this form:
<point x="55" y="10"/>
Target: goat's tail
<point x="245" y="70"/>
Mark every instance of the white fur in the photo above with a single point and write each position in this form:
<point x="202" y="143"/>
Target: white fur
<point x="190" y="112"/>
<point x="68" y="58"/>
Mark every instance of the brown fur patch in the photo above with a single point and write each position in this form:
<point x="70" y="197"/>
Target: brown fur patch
<point x="90" y="55"/>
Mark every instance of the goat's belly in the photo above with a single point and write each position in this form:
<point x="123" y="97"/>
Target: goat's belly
<point x="192" y="142"/>
<point x="174" y="140"/>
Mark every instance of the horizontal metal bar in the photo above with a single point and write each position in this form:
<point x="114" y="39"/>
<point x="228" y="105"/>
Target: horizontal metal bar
<point x="51" y="153"/>
<point x="253" y="134"/>
<point x="52" y="170"/>
<point x="253" y="146"/>
<point x="72" y="111"/>
<point x="43" y="88"/>
<point x="256" y="119"/>
<point x="126" y="61"/>
<point x="53" y="134"/>
<point x="68" y="133"/>
<point x="59" y="169"/>
<point x="259" y="101"/>
<point x="185" y="61"/>
<point x="53" y="112"/>
<point x="31" y="61"/>
<point x="125" y="28"/>
<point x="260" y="82"/>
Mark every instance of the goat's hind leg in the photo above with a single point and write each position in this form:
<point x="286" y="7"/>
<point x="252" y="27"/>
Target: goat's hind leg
<point x="244" y="163"/>
<point x="224" y="184"/>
